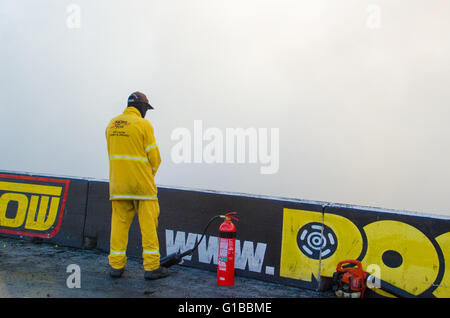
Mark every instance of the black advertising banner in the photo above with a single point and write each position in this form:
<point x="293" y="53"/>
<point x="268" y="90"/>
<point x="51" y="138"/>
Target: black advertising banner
<point x="43" y="207"/>
<point x="406" y="250"/>
<point x="184" y="215"/>
<point x="293" y="242"/>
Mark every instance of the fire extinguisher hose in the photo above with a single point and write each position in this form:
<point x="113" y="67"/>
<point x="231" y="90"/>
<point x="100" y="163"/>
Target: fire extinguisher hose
<point x="204" y="231"/>
<point x="176" y="258"/>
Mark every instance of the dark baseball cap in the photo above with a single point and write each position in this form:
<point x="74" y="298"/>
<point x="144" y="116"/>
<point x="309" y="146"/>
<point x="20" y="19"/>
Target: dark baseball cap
<point x="138" y="98"/>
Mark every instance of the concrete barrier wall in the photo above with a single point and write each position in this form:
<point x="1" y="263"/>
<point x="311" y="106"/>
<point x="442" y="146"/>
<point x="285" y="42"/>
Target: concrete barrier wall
<point x="292" y="242"/>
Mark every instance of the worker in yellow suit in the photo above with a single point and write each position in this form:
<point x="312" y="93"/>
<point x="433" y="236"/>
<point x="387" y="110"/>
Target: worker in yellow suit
<point x="134" y="159"/>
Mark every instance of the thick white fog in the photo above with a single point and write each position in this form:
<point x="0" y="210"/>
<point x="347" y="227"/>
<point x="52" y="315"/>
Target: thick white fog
<point x="339" y="101"/>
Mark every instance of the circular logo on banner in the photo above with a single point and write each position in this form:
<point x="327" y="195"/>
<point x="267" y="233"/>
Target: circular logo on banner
<point x="317" y="240"/>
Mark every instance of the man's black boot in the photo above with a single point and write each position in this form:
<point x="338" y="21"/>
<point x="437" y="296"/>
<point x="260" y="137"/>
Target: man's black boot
<point x="161" y="272"/>
<point x="116" y="273"/>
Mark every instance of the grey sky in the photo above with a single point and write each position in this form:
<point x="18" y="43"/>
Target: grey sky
<point x="362" y="112"/>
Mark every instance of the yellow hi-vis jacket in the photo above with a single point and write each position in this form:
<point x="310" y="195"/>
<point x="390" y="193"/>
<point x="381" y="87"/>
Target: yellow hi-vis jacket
<point x="134" y="157"/>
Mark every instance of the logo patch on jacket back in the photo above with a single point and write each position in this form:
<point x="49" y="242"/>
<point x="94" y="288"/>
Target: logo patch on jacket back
<point x="119" y="124"/>
<point x="32" y="206"/>
<point x="117" y="128"/>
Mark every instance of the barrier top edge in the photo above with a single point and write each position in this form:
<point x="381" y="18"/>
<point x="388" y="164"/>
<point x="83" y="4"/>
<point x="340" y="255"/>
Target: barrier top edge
<point x="256" y="196"/>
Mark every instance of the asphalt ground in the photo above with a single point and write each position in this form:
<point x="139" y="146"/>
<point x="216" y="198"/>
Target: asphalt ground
<point x="41" y="270"/>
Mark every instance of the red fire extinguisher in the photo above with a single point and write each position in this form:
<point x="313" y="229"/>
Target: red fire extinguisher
<point x="227" y="241"/>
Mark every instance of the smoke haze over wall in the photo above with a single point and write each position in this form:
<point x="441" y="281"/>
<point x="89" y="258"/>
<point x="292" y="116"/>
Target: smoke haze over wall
<point x="362" y="105"/>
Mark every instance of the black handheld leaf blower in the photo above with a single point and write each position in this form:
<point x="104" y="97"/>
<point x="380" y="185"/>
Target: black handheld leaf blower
<point x="176" y="258"/>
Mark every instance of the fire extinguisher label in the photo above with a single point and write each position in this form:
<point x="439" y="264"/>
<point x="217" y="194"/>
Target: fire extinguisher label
<point x="223" y="253"/>
<point x="223" y="246"/>
<point x="222" y="266"/>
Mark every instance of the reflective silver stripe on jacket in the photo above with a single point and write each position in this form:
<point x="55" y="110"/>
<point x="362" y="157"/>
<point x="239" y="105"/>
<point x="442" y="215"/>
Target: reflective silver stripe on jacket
<point x="134" y="197"/>
<point x="127" y="158"/>
<point x="150" y="147"/>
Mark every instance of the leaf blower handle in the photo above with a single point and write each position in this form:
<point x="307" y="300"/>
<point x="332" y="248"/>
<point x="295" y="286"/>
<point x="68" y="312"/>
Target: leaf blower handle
<point x="349" y="263"/>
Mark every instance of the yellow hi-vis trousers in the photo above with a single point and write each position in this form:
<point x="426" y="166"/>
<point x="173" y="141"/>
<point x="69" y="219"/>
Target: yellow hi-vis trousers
<point x="123" y="212"/>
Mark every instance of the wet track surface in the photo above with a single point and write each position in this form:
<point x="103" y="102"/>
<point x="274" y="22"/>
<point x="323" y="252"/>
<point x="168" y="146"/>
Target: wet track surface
<point x="40" y="270"/>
